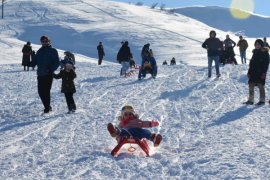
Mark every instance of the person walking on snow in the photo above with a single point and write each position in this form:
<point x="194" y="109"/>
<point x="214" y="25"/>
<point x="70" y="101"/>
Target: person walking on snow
<point x="100" y="53"/>
<point x="213" y="46"/>
<point x="123" y="57"/>
<point x="68" y="88"/>
<point x="258" y="67"/>
<point x="243" y="45"/>
<point x="47" y="61"/>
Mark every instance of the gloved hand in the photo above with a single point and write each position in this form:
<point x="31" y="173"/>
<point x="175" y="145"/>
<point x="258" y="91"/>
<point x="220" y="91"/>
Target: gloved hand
<point x="154" y="123"/>
<point x="263" y="76"/>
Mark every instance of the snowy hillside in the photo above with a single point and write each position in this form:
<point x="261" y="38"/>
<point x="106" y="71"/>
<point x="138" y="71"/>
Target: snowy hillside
<point x="208" y="132"/>
<point x="219" y="17"/>
<point x="78" y="26"/>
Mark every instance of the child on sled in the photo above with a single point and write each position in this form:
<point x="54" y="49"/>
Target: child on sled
<point x="131" y="126"/>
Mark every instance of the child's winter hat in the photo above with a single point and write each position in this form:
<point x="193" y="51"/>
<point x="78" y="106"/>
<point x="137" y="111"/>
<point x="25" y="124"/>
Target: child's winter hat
<point x="259" y="41"/>
<point x="127" y="108"/>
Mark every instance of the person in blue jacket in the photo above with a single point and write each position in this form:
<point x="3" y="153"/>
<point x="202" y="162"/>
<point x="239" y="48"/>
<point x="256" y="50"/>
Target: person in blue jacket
<point x="47" y="61"/>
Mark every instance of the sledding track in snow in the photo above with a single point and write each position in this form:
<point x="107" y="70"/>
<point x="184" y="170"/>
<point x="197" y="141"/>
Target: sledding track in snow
<point x="193" y="112"/>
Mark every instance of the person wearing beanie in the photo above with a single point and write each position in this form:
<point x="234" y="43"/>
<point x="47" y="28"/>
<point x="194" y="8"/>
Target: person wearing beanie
<point x="47" y="61"/>
<point x="214" y="47"/>
<point x="258" y="67"/>
<point x="68" y="88"/>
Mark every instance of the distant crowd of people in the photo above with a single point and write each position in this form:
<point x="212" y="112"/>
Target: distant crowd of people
<point x="47" y="61"/>
<point x="223" y="52"/>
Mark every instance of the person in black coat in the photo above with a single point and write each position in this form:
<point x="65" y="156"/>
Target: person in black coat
<point x="123" y="57"/>
<point x="100" y="53"/>
<point x="26" y="59"/>
<point x="213" y="46"/>
<point x="258" y="67"/>
<point x="68" y="88"/>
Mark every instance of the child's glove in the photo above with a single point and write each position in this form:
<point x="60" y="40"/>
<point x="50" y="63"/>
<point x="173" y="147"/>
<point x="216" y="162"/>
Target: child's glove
<point x="154" y="123"/>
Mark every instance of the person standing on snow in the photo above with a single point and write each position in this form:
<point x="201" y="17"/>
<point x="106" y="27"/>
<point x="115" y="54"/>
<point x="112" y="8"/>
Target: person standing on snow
<point x="243" y="45"/>
<point x="47" y="61"/>
<point x="213" y="46"/>
<point x="123" y="57"/>
<point x="258" y="67"/>
<point x="100" y="53"/>
<point x="26" y="59"/>
<point x="228" y="42"/>
<point x="265" y="43"/>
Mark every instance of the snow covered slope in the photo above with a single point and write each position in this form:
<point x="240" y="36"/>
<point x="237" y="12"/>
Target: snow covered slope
<point x="78" y="26"/>
<point x="208" y="133"/>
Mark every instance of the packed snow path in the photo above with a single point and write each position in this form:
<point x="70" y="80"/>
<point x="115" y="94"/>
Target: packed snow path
<point x="207" y="132"/>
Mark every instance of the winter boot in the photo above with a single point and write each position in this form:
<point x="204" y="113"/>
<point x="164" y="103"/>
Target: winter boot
<point x="157" y="140"/>
<point x="112" y="130"/>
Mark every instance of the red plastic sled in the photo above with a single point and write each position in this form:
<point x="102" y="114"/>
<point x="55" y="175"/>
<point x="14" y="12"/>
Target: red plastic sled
<point x="124" y="140"/>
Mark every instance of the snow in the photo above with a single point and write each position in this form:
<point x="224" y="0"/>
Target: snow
<point x="208" y="133"/>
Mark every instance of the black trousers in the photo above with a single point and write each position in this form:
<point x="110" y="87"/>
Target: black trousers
<point x="100" y="57"/>
<point x="70" y="101"/>
<point x="44" y="90"/>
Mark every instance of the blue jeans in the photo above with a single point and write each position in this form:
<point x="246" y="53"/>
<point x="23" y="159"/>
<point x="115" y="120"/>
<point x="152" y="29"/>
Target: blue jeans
<point x="135" y="132"/>
<point x="125" y="66"/>
<point x="210" y="61"/>
<point x="243" y="57"/>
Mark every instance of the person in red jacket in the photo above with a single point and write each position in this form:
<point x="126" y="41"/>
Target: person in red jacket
<point x="131" y="126"/>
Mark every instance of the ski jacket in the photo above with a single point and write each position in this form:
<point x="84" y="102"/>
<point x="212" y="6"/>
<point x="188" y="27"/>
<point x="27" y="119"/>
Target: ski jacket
<point x="227" y="43"/>
<point x="123" y="54"/>
<point x="258" y="66"/>
<point x="67" y="81"/>
<point x="47" y="60"/>
<point x="213" y="46"/>
<point x="243" y="45"/>
<point x="100" y="50"/>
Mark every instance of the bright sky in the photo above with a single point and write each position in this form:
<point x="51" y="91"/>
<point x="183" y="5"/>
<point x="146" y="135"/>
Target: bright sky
<point x="256" y="6"/>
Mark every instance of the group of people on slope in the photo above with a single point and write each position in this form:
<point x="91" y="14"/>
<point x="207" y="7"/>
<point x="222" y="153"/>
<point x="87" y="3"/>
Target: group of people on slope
<point x="47" y="61"/>
<point x="28" y="55"/>
<point x="148" y="65"/>
<point x="172" y="62"/>
<point x="258" y="65"/>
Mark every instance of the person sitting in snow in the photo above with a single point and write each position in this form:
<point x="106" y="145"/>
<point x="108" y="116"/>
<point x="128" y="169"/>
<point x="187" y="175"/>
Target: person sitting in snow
<point x="173" y="62"/>
<point x="131" y="126"/>
<point x="164" y="62"/>
<point x="68" y="88"/>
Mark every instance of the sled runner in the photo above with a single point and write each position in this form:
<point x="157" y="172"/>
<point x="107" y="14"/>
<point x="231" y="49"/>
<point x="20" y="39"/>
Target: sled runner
<point x="125" y="140"/>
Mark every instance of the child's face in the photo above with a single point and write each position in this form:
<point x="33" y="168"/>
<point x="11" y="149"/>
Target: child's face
<point x="68" y="67"/>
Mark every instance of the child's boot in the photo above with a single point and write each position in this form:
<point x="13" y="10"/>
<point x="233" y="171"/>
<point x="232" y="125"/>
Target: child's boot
<point x="156" y="139"/>
<point x="112" y="130"/>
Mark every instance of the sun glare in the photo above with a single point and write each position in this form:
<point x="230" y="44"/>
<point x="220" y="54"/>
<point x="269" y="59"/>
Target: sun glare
<point x="246" y="6"/>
